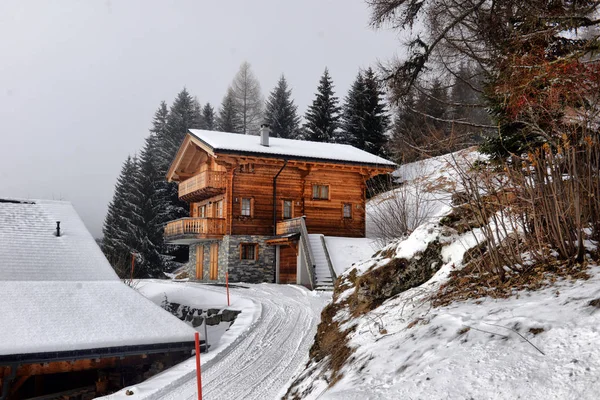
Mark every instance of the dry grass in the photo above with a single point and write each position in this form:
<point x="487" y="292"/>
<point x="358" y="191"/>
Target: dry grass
<point x="472" y="283"/>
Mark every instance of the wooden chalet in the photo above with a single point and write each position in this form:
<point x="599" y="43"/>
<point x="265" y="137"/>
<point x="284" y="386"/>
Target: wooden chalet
<point x="255" y="200"/>
<point x="69" y="328"/>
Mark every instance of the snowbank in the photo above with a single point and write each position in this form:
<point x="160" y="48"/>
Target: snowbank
<point x="199" y="296"/>
<point x="345" y="252"/>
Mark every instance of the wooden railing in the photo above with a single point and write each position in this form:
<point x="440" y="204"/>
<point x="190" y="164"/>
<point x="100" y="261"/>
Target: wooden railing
<point x="289" y="226"/>
<point x="196" y="226"/>
<point x="203" y="180"/>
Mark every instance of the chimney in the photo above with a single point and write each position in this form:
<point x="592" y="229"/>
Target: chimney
<point x="264" y="134"/>
<point x="57" y="228"/>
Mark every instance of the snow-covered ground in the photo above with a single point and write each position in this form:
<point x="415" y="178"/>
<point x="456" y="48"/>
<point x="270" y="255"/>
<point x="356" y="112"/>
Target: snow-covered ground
<point x="345" y="252"/>
<point x="256" y="358"/>
<point x="534" y="345"/>
<point x="470" y="350"/>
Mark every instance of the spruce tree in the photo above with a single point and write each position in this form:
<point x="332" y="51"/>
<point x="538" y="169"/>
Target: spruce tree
<point x="228" y="119"/>
<point x="182" y="116"/>
<point x="353" y="115"/>
<point x="208" y="117"/>
<point x="198" y="119"/>
<point x="376" y="120"/>
<point x="365" y="120"/>
<point x="153" y="209"/>
<point x="323" y="115"/>
<point x="119" y="230"/>
<point x="281" y="112"/>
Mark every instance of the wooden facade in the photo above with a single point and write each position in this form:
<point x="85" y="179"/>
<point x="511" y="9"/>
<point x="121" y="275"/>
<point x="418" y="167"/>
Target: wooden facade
<point x="239" y="189"/>
<point x="236" y="195"/>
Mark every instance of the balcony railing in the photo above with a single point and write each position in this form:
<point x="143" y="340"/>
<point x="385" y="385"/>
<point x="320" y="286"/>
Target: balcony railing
<point x="288" y="226"/>
<point x="187" y="230"/>
<point x="203" y="185"/>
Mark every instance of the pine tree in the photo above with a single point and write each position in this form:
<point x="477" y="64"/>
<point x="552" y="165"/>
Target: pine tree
<point x="377" y="120"/>
<point x="119" y="230"/>
<point x="353" y="115"/>
<point x="198" y="119"/>
<point x="228" y="119"/>
<point x="208" y="117"/>
<point x="281" y="112"/>
<point x="364" y="119"/>
<point x="152" y="204"/>
<point x="245" y="90"/>
<point x="323" y="115"/>
<point x="182" y="116"/>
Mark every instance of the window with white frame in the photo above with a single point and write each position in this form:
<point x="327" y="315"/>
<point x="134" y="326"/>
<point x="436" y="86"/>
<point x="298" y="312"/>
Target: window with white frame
<point x="247" y="207"/>
<point x="287" y="209"/>
<point x="320" y="192"/>
<point x="347" y="210"/>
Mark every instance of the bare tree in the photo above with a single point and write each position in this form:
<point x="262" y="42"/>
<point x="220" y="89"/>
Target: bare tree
<point x="501" y="41"/>
<point x="245" y="90"/>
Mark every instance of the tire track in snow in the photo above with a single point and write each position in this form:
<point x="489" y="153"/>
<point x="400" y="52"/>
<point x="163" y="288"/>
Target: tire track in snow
<point x="269" y="355"/>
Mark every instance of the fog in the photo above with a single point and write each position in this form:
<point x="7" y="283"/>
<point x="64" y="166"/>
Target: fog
<point x="80" y="80"/>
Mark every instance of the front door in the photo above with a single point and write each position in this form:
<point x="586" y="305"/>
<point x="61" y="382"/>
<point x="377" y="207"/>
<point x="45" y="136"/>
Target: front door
<point x="199" y="261"/>
<point x="287" y="264"/>
<point x="214" y="261"/>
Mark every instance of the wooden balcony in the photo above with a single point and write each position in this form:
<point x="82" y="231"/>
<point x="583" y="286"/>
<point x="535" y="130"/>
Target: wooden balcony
<point x="191" y="230"/>
<point x="289" y="226"/>
<point x="202" y="186"/>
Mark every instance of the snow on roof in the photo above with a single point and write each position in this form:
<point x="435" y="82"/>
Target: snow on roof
<point x="31" y="251"/>
<point x="235" y="142"/>
<point x="61" y="294"/>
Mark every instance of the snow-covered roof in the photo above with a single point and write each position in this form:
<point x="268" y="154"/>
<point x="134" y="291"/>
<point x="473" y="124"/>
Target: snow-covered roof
<point x="61" y="294"/>
<point x="302" y="149"/>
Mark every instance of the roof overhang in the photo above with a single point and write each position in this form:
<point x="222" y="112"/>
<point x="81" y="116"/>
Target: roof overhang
<point x="103" y="352"/>
<point x="282" y="240"/>
<point x="190" y="144"/>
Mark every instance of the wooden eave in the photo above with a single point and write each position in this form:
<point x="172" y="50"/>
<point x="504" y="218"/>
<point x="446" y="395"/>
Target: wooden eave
<point x="368" y="170"/>
<point x="266" y="158"/>
<point x="190" y="143"/>
<point x="288" y="239"/>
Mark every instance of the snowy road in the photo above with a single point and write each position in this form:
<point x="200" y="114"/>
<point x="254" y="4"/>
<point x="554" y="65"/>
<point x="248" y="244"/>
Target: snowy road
<point x="263" y="360"/>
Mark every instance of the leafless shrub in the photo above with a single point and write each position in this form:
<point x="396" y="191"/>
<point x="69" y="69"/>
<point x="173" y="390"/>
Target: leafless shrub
<point x="491" y="198"/>
<point x="396" y="212"/>
<point x="561" y="192"/>
<point x="536" y="208"/>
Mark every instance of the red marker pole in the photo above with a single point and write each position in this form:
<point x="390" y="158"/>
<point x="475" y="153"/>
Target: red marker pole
<point x="198" y="368"/>
<point x="227" y="286"/>
<point x="132" y="265"/>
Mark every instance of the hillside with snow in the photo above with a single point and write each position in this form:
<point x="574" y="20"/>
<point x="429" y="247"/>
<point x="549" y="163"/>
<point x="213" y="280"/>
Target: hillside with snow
<point x="421" y="319"/>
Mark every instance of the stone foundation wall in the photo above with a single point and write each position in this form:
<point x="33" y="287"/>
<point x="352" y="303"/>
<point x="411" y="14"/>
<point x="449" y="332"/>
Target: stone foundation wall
<point x="251" y="271"/>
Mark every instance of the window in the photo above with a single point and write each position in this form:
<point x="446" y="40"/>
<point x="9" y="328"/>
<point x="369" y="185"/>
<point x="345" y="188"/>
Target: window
<point x="202" y="211"/>
<point x="247" y="207"/>
<point x="219" y="209"/>
<point x="247" y="168"/>
<point x="287" y="209"/>
<point x="347" y="210"/>
<point x="249" y="251"/>
<point x="321" y="192"/>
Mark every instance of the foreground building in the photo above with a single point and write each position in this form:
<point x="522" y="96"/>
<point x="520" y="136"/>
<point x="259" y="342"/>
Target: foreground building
<point x="255" y="201"/>
<point x="68" y="325"/>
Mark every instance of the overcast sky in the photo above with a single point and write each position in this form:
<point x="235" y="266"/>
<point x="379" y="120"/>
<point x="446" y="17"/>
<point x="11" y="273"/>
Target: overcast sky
<point x="80" y="80"/>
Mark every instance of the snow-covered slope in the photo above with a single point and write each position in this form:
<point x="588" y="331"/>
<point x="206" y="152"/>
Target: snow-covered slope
<point x="424" y="195"/>
<point x="384" y="337"/>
